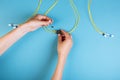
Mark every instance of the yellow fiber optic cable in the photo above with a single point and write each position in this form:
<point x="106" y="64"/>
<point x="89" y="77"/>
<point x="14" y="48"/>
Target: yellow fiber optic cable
<point x="94" y="25"/>
<point x="76" y="13"/>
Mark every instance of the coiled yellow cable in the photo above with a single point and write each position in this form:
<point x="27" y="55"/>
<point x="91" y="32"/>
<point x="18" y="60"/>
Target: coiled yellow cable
<point x="76" y="13"/>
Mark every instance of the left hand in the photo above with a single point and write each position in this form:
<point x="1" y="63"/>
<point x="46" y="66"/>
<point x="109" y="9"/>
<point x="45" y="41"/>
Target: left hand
<point x="37" y="22"/>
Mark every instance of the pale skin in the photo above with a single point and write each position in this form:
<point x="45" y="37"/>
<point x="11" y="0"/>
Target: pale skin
<point x="31" y="25"/>
<point x="64" y="46"/>
<point x="38" y="21"/>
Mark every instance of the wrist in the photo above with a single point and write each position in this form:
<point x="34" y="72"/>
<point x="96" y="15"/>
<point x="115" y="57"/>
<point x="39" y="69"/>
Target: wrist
<point x="61" y="56"/>
<point x="62" y="60"/>
<point x="24" y="28"/>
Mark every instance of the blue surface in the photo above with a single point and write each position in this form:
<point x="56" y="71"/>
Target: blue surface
<point x="34" y="57"/>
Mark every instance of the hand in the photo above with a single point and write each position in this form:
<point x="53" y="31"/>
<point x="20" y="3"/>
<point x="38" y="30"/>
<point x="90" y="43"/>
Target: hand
<point x="37" y="22"/>
<point x="64" y="44"/>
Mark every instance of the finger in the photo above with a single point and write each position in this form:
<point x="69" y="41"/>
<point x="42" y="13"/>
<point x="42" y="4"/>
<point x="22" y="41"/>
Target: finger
<point x="59" y="38"/>
<point x="44" y="23"/>
<point x="66" y="34"/>
<point x="46" y="18"/>
<point x="41" y="18"/>
<point x="63" y="38"/>
<point x="47" y="21"/>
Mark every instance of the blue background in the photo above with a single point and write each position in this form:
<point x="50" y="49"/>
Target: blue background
<point x="34" y="57"/>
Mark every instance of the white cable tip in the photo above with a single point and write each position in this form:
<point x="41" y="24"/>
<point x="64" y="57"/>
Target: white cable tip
<point x="106" y="35"/>
<point x="9" y="25"/>
<point x="14" y="26"/>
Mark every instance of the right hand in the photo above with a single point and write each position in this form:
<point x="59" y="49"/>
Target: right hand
<point x="64" y="44"/>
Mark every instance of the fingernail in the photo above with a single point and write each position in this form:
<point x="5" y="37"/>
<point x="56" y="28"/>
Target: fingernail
<point x="58" y="34"/>
<point x="49" y="21"/>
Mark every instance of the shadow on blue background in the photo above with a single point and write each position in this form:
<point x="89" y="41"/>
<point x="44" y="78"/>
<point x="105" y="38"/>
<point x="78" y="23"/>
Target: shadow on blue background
<point x="34" y="57"/>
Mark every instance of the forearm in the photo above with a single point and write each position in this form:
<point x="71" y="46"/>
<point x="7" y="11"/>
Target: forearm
<point x="10" y="38"/>
<point x="59" y="69"/>
<point x="32" y="24"/>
